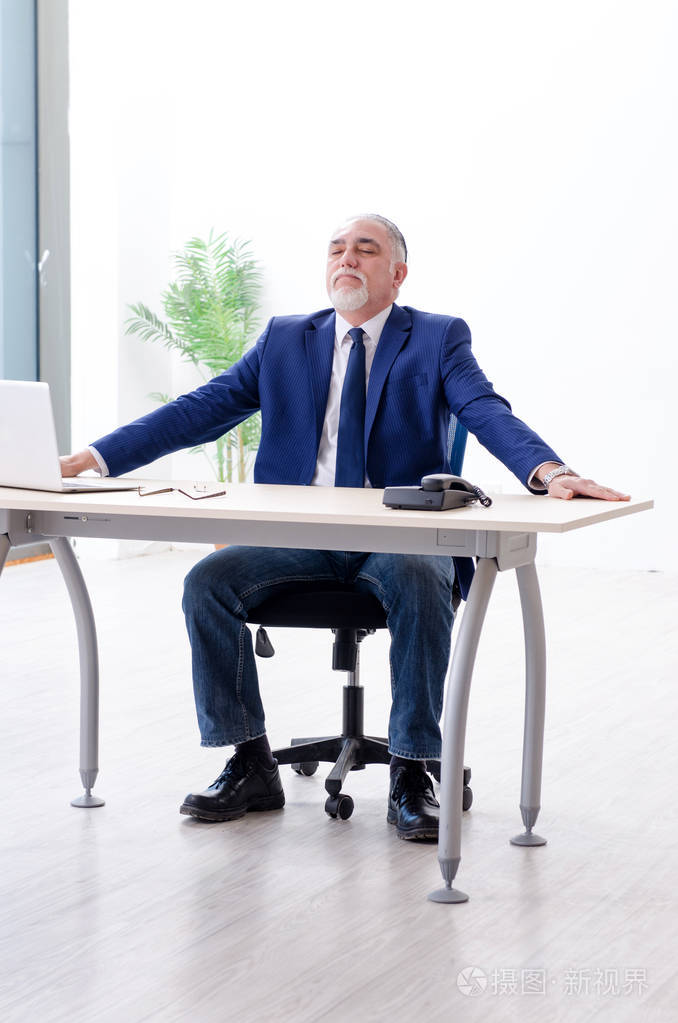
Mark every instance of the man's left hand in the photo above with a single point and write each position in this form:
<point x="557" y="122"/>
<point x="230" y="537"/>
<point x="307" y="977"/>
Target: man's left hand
<point x="567" y="487"/>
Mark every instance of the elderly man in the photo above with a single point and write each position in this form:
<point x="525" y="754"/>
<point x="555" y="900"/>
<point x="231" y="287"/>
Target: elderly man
<point x="356" y="395"/>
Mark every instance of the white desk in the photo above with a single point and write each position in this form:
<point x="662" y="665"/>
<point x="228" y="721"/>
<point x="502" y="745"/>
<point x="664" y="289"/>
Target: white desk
<point x="502" y="537"/>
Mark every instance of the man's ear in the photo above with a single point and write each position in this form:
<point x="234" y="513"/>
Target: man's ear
<point x="399" y="274"/>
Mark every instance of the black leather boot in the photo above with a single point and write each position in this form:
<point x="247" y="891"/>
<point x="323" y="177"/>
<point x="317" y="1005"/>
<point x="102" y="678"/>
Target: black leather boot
<point x="244" y="785"/>
<point x="412" y="806"/>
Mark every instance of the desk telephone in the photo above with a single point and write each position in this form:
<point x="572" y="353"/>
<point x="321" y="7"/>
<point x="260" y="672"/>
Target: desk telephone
<point x="438" y="492"/>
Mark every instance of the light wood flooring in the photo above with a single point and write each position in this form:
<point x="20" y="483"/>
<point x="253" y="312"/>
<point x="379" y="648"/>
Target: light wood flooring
<point x="132" y="912"/>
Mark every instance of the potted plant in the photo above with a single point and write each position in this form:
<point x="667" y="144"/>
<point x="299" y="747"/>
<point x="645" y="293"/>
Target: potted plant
<point x="211" y="319"/>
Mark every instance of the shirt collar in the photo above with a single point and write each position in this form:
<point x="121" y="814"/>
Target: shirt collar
<point x="372" y="327"/>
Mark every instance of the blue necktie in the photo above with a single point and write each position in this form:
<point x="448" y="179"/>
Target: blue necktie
<point x="350" y="471"/>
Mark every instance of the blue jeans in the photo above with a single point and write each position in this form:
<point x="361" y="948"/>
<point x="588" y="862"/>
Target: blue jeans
<point x="415" y="590"/>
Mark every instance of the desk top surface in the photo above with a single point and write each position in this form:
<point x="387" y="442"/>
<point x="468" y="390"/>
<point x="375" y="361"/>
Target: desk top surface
<point x="326" y="505"/>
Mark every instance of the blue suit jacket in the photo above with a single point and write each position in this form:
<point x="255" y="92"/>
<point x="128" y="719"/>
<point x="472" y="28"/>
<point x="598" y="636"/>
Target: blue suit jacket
<point x="423" y="370"/>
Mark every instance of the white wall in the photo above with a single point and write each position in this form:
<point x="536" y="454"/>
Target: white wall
<point x="527" y="150"/>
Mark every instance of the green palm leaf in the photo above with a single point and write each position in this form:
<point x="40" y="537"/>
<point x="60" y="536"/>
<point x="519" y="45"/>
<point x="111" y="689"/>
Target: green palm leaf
<point x="211" y="319"/>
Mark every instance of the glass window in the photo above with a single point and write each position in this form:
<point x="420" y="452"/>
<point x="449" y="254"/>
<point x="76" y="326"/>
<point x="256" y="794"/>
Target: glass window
<point x="18" y="217"/>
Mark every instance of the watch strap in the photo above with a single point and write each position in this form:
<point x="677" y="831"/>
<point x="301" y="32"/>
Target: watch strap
<point x="562" y="470"/>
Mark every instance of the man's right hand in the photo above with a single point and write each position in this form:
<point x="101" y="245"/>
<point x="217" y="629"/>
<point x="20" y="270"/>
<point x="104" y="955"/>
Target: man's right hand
<point x="73" y="465"/>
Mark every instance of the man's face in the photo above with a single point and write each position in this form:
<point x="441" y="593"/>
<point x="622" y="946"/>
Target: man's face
<point x="362" y="275"/>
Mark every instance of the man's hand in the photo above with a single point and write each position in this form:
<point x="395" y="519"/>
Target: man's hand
<point x="567" y="487"/>
<point x="73" y="465"/>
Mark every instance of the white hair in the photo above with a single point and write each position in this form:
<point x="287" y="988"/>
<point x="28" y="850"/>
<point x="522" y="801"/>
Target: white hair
<point x="398" y="246"/>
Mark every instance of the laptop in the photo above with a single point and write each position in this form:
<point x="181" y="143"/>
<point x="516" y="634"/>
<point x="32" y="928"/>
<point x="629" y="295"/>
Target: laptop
<point x="29" y="456"/>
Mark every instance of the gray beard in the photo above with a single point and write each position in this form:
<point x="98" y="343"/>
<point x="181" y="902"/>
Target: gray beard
<point x="347" y="300"/>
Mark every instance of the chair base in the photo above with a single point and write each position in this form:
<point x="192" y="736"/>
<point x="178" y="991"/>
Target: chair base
<point x="350" y="751"/>
<point x="346" y="752"/>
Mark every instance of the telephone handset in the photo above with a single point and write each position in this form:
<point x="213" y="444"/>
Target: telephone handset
<point x="438" y="492"/>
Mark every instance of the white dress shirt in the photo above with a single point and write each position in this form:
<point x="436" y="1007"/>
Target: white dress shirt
<point x="325" y="467"/>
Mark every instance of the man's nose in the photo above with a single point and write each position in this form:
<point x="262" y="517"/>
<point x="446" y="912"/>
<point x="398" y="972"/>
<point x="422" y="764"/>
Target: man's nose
<point x="349" y="258"/>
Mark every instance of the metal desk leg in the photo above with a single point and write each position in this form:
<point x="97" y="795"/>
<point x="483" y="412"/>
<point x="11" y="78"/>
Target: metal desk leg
<point x="454" y="730"/>
<point x="535" y="702"/>
<point x="89" y="668"/>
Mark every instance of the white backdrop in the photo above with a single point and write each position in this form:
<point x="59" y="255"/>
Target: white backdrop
<point x="527" y="150"/>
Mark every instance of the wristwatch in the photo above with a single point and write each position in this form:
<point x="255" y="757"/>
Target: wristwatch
<point x="562" y="470"/>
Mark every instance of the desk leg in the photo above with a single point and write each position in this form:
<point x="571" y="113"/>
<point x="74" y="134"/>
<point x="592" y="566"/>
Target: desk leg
<point x="454" y="729"/>
<point x="89" y="668"/>
<point x="535" y="702"/>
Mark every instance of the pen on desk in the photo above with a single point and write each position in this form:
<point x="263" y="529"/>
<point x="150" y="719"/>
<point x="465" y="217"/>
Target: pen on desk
<point x="149" y="491"/>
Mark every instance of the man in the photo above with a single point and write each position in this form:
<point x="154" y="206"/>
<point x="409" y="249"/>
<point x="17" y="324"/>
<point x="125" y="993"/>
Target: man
<point x="356" y="395"/>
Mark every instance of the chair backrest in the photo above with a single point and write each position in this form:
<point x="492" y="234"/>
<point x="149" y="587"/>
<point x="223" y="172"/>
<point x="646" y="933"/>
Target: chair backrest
<point x="456" y="445"/>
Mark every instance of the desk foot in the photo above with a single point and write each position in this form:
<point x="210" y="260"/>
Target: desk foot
<point x="448" y="868"/>
<point x="447" y="895"/>
<point x="88" y="777"/>
<point x="88" y="799"/>
<point x="529" y="815"/>
<point x="528" y="838"/>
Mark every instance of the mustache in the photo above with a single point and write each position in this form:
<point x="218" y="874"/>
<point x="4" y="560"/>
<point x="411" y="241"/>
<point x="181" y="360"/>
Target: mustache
<point x="347" y="273"/>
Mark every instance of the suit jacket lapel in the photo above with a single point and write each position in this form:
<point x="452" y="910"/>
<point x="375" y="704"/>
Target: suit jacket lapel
<point x="319" y="353"/>
<point x="394" y="335"/>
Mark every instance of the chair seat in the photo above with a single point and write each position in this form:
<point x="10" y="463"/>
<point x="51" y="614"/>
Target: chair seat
<point x="327" y="608"/>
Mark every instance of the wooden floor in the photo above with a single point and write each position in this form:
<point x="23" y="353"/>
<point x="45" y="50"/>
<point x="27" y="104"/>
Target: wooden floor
<point x="132" y="912"/>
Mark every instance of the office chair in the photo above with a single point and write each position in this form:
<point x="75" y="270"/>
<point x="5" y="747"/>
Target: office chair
<point x="351" y="615"/>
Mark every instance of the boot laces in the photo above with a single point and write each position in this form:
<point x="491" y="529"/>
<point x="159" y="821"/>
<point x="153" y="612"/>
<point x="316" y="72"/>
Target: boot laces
<point x="414" y="780"/>
<point x="234" y="769"/>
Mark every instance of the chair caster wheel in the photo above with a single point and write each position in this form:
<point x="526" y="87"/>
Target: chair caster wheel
<point x="339" y="806"/>
<point x="466" y="798"/>
<point x="433" y="768"/>
<point x="307" y="769"/>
